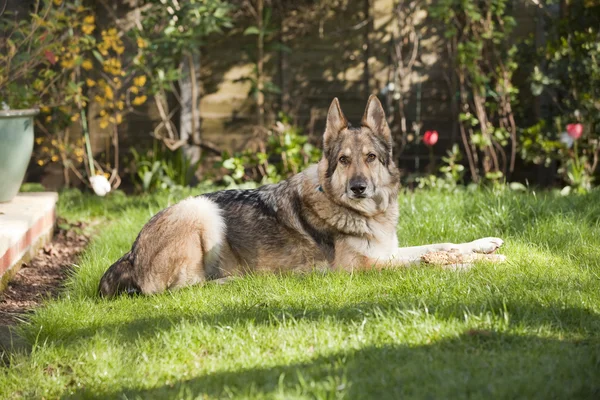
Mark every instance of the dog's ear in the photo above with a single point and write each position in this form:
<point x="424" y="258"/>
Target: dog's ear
<point x="336" y="122"/>
<point x="374" y="119"/>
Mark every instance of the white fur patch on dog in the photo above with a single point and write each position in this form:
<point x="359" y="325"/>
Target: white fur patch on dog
<point x="380" y="247"/>
<point x="206" y="215"/>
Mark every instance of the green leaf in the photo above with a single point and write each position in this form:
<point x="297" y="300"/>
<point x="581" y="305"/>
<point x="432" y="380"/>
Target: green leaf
<point x="229" y="163"/>
<point x="98" y="55"/>
<point x="276" y="46"/>
<point x="169" y="30"/>
<point x="267" y="18"/>
<point x="252" y="30"/>
<point x="238" y="174"/>
<point x="536" y="88"/>
<point x="146" y="180"/>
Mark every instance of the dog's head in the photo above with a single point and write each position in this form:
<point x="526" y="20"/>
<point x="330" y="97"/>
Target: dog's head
<point x="357" y="168"/>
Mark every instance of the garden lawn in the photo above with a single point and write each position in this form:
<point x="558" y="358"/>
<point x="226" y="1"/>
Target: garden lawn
<point x="529" y="328"/>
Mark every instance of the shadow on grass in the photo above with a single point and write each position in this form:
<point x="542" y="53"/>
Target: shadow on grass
<point x="570" y="320"/>
<point x="477" y="364"/>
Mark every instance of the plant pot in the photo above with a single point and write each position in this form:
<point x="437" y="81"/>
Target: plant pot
<point x="16" y="146"/>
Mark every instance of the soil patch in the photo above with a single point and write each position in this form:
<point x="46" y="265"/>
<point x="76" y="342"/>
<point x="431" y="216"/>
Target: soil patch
<point x="43" y="277"/>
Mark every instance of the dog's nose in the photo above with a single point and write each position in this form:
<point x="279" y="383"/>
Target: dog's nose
<point x="358" y="187"/>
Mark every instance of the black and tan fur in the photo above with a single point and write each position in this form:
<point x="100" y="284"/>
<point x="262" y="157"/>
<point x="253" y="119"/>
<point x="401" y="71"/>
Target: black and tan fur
<point x="338" y="214"/>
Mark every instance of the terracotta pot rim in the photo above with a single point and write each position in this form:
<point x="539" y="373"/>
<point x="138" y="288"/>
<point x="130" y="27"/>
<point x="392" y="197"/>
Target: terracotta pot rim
<point x="29" y="112"/>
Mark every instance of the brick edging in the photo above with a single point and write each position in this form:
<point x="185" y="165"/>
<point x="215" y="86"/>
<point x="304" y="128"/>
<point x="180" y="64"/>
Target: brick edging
<point x="19" y="249"/>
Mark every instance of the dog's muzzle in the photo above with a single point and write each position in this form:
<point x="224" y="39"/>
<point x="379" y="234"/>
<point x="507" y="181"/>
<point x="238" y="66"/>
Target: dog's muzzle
<point x="358" y="188"/>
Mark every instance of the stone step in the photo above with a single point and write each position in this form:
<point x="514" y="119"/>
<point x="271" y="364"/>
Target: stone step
<point x="26" y="224"/>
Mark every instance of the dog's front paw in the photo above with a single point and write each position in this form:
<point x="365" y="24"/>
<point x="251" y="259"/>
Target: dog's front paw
<point x="485" y="246"/>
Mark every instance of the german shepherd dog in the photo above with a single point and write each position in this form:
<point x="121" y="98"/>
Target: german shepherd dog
<point x="340" y="214"/>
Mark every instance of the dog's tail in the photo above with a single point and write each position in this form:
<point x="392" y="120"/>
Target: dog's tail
<point x="119" y="279"/>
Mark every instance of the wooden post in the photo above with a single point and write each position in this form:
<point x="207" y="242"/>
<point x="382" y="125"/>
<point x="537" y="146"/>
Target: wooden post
<point x="367" y="47"/>
<point x="189" y="120"/>
<point x="260" y="98"/>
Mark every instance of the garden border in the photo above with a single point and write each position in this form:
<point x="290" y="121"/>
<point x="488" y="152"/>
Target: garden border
<point x="26" y="224"/>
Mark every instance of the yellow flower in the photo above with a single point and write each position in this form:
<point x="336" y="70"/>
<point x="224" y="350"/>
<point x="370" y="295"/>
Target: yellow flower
<point x="139" y="80"/>
<point x="103" y="48"/>
<point x="90" y="82"/>
<point x="45" y="149"/>
<point x="120" y="105"/>
<point x="142" y="44"/>
<point x="48" y="118"/>
<point x="108" y="92"/>
<point x="119" y="118"/>
<point x="74" y="117"/>
<point x="90" y="19"/>
<point x="87" y="29"/>
<point x="79" y="159"/>
<point x="103" y="123"/>
<point x="54" y="158"/>
<point x="40" y="162"/>
<point x="39" y="140"/>
<point x="45" y="110"/>
<point x="54" y="143"/>
<point x="56" y="3"/>
<point x="106" y="175"/>
<point x="67" y="64"/>
<point x="134" y="90"/>
<point x="87" y="65"/>
<point x="139" y="100"/>
<point x="112" y="66"/>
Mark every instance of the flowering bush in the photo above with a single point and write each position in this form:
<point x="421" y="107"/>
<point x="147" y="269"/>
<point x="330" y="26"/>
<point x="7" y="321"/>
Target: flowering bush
<point x="116" y="89"/>
<point x="568" y="74"/>
<point x="39" y="54"/>
<point x="576" y="150"/>
<point x="40" y="60"/>
<point x="52" y="60"/>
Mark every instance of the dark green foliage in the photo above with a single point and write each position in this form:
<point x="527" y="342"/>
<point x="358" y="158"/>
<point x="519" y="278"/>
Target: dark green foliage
<point x="160" y="169"/>
<point x="286" y="151"/>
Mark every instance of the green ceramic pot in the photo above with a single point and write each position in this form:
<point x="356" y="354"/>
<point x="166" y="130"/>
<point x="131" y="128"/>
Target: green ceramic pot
<point x="16" y="146"/>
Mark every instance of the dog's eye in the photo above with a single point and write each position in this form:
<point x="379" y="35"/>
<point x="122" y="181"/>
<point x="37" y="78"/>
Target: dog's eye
<point x="344" y="160"/>
<point x="371" y="157"/>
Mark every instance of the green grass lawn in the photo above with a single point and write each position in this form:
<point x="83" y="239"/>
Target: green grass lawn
<point x="526" y="329"/>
